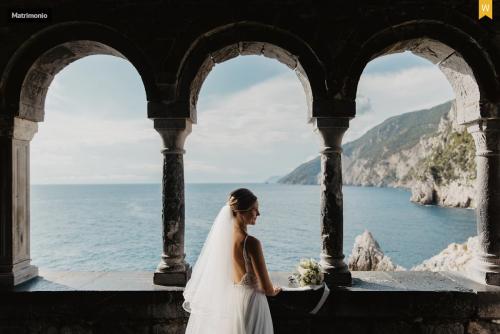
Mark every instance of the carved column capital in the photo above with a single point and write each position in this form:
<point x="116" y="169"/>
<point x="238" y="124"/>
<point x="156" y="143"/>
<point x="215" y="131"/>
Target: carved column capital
<point x="18" y="128"/>
<point x="486" y="134"/>
<point x="331" y="131"/>
<point x="173" y="132"/>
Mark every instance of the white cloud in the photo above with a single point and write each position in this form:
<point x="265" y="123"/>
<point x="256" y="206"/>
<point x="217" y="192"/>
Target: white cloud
<point x="199" y="166"/>
<point x="254" y="133"/>
<point x="81" y="130"/>
<point x="310" y="157"/>
<point x="363" y="105"/>
<point x="262" y="114"/>
<point x="406" y="90"/>
<point x="75" y="147"/>
<point x="394" y="93"/>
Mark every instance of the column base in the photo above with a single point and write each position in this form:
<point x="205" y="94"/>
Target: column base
<point x="172" y="278"/>
<point x="338" y="278"/>
<point x="18" y="276"/>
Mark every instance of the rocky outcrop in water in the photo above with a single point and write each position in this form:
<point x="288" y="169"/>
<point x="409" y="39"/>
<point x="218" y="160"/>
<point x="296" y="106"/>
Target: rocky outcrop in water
<point x="367" y="255"/>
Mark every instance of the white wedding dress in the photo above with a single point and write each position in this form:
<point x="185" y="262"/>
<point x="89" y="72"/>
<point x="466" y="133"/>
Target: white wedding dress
<point x="250" y="310"/>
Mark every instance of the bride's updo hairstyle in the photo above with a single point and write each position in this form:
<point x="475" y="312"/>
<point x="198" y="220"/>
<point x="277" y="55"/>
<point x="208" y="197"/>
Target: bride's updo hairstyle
<point x="241" y="199"/>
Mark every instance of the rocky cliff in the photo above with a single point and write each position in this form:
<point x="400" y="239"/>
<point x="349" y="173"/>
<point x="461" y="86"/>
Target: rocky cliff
<point x="424" y="150"/>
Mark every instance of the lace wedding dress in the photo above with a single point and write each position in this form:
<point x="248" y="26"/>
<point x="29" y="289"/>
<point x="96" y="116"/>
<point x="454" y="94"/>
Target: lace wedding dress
<point x="217" y="304"/>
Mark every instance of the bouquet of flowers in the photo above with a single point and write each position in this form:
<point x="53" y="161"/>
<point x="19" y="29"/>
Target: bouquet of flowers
<point x="308" y="273"/>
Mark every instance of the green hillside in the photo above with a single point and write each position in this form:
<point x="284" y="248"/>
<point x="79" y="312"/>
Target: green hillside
<point x="307" y="173"/>
<point x="450" y="158"/>
<point x="397" y="133"/>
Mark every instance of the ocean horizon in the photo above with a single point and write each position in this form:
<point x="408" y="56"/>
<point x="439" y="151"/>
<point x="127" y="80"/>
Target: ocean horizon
<point x="117" y="227"/>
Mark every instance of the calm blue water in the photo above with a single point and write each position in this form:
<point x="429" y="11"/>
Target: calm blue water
<point x="118" y="227"/>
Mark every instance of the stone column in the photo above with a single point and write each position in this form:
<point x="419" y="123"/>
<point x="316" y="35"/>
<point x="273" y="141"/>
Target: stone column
<point x="485" y="267"/>
<point x="15" y="262"/>
<point x="331" y="131"/>
<point x="173" y="269"/>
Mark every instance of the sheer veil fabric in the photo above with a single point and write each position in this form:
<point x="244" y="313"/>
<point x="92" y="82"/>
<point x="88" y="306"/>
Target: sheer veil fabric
<point x="216" y="303"/>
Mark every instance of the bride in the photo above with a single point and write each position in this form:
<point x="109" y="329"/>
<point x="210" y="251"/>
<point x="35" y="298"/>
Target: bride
<point x="226" y="293"/>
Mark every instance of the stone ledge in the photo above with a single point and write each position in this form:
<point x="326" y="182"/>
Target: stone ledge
<point x="363" y="281"/>
<point x="396" y="295"/>
<point x="374" y="294"/>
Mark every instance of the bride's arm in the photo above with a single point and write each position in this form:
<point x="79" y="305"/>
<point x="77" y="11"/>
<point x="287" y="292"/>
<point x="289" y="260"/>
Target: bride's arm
<point x="260" y="268"/>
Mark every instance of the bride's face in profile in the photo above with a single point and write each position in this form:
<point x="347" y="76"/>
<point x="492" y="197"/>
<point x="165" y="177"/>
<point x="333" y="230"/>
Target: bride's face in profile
<point x="249" y="217"/>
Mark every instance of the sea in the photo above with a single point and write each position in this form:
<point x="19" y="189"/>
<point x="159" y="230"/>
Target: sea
<point x="119" y="228"/>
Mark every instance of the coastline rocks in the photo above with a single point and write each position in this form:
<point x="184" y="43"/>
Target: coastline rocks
<point x="453" y="195"/>
<point x="458" y="196"/>
<point x="367" y="255"/>
<point x="456" y="257"/>
<point x="423" y="193"/>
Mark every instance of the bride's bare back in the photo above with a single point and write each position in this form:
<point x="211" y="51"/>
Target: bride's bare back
<point x="238" y="261"/>
<point x="256" y="255"/>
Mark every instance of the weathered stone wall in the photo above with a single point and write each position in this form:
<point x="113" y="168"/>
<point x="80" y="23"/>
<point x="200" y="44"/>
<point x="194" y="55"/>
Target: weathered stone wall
<point x="158" y="312"/>
<point x="137" y="312"/>
<point x="329" y="42"/>
<point x="173" y="45"/>
<point x="377" y="302"/>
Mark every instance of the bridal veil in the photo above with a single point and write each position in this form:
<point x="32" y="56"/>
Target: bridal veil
<point x="209" y="294"/>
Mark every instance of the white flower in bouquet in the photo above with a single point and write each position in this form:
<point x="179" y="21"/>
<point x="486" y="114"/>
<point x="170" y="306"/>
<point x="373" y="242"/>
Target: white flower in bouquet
<point x="308" y="273"/>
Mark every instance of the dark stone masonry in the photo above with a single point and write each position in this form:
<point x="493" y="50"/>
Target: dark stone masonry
<point x="377" y="302"/>
<point x="173" y="45"/>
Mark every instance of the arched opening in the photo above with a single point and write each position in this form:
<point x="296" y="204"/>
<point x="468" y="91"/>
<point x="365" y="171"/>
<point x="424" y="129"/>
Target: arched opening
<point x="174" y="119"/>
<point x="428" y="151"/>
<point x="27" y="87"/>
<point x="249" y="48"/>
<point x="40" y="74"/>
<point x="95" y="198"/>
<point x="251" y="111"/>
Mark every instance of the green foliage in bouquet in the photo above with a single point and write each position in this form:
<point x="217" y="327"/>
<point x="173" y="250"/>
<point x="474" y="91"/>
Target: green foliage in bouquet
<point x="308" y="273"/>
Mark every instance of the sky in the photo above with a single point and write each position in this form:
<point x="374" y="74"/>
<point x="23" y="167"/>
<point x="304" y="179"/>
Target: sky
<point x="252" y="120"/>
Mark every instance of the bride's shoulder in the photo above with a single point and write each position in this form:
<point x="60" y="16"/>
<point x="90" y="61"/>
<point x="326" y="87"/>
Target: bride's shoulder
<point x="253" y="244"/>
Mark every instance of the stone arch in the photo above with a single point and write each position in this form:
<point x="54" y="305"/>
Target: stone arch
<point x="470" y="69"/>
<point x="173" y="117"/>
<point x="461" y="59"/>
<point x="245" y="38"/>
<point x="32" y="69"/>
<point x="24" y="84"/>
